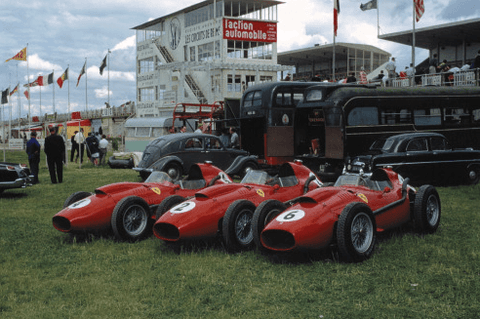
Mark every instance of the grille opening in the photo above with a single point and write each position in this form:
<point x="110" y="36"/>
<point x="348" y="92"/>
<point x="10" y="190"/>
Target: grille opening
<point x="166" y="231"/>
<point x="61" y="223"/>
<point x="278" y="239"/>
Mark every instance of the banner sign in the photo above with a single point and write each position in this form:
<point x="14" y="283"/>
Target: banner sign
<point x="246" y="30"/>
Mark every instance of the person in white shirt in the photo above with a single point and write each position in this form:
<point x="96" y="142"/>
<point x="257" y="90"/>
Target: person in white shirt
<point x="80" y="140"/>
<point x="390" y="67"/>
<point x="102" y="146"/>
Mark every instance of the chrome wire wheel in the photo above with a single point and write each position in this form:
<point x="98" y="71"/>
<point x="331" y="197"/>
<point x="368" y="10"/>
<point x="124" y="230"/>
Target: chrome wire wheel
<point x="433" y="210"/>
<point x="243" y="227"/>
<point x="135" y="220"/>
<point x="361" y="233"/>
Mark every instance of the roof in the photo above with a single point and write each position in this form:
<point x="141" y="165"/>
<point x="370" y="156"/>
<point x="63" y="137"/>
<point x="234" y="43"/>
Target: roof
<point x="323" y="53"/>
<point x="445" y="34"/>
<point x="151" y="122"/>
<point x="268" y="3"/>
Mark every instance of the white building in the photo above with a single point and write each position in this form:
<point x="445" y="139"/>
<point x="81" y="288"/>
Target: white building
<point x="207" y="52"/>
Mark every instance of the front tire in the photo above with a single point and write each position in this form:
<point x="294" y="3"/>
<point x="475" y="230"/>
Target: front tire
<point x="131" y="219"/>
<point x="75" y="197"/>
<point x="237" y="226"/>
<point x="473" y="174"/>
<point x="427" y="209"/>
<point x="167" y="204"/>
<point x="356" y="233"/>
<point x="264" y="214"/>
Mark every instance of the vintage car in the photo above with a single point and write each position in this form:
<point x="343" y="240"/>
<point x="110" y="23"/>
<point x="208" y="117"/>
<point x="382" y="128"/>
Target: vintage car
<point x="228" y="209"/>
<point x="129" y="208"/>
<point x="175" y="153"/>
<point x="348" y="215"/>
<point x="422" y="157"/>
<point x="14" y="176"/>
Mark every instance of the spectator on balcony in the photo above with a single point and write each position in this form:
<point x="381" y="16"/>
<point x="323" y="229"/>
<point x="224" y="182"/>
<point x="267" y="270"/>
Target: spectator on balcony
<point x="476" y="62"/>
<point x="352" y="78"/>
<point x="411" y="74"/>
<point x="390" y="67"/>
<point x="363" y="76"/>
<point x="432" y="64"/>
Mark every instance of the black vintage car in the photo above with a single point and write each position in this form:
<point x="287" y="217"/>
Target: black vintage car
<point x="175" y="153"/>
<point x="424" y="158"/>
<point x="14" y="176"/>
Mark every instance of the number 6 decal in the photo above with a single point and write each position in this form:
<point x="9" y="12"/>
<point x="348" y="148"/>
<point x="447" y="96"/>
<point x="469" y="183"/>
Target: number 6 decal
<point x="182" y="208"/>
<point x="291" y="216"/>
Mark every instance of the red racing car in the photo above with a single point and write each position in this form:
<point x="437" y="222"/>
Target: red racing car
<point x="228" y="209"/>
<point x="349" y="214"/>
<point x="129" y="208"/>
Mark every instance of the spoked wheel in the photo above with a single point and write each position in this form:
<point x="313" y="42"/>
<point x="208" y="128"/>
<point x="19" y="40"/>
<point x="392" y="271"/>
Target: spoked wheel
<point x="131" y="219"/>
<point x="168" y="203"/>
<point x="264" y="214"/>
<point x="75" y="197"/>
<point x="356" y="233"/>
<point x="237" y="226"/>
<point x="427" y="209"/>
<point x="473" y="175"/>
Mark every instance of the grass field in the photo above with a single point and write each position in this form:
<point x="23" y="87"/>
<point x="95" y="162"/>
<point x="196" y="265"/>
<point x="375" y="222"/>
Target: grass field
<point x="46" y="274"/>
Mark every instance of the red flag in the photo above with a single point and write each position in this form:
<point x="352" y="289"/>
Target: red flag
<point x="21" y="56"/>
<point x="81" y="72"/>
<point x="26" y="95"/>
<point x="336" y="12"/>
<point x="39" y="80"/>
<point x="62" y="79"/>
<point x="34" y="83"/>
<point x="419" y="9"/>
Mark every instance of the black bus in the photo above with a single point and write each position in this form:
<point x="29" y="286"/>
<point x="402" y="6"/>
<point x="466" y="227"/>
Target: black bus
<point x="323" y="123"/>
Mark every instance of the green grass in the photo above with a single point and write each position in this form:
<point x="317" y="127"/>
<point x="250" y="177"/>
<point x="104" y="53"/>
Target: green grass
<point x="46" y="274"/>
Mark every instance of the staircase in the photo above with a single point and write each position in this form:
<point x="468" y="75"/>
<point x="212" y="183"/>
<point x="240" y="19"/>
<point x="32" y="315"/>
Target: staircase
<point x="197" y="91"/>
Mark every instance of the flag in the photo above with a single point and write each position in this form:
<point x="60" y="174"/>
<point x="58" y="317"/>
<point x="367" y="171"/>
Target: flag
<point x="5" y="96"/>
<point x="82" y="72"/>
<point x="369" y="5"/>
<point x="62" y="79"/>
<point x="336" y="12"/>
<point x="50" y="78"/>
<point x="14" y="90"/>
<point x="21" y="56"/>
<point x="34" y="83"/>
<point x="40" y="81"/>
<point x="419" y="9"/>
<point x="26" y="95"/>
<point x="104" y="65"/>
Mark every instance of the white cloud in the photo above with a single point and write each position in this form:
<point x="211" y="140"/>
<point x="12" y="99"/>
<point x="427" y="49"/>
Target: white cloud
<point x="129" y="42"/>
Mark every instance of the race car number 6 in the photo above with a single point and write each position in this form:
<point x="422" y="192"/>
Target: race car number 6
<point x="291" y="215"/>
<point x="182" y="208"/>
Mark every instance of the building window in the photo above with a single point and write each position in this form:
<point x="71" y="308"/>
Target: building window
<point x="233" y="83"/>
<point x="146" y="65"/>
<point x="249" y="50"/>
<point x="265" y="78"/>
<point x="146" y="94"/>
<point x="160" y="92"/>
<point x="205" y="52"/>
<point x="192" y="53"/>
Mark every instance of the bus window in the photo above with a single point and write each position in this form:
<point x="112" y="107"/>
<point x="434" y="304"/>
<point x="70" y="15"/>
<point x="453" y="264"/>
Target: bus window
<point x="363" y="115"/>
<point x="333" y="116"/>
<point x="253" y="98"/>
<point x="427" y="117"/>
<point x="456" y="116"/>
<point x="395" y="116"/>
<point x="257" y="98"/>
<point x="476" y="115"/>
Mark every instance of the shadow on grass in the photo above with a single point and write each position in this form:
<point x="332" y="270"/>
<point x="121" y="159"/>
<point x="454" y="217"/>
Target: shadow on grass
<point x="191" y="246"/>
<point x="12" y="195"/>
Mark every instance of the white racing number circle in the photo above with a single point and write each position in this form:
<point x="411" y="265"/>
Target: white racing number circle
<point x="182" y="208"/>
<point x="291" y="216"/>
<point x="80" y="203"/>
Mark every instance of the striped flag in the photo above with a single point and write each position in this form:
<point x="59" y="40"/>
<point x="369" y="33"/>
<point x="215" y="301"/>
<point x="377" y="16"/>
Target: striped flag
<point x="62" y="78"/>
<point x="336" y="12"/>
<point x="82" y="72"/>
<point x="14" y="90"/>
<point x="419" y="9"/>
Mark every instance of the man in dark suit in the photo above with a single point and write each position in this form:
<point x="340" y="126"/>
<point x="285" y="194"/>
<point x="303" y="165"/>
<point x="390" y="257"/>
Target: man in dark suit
<point x="55" y="150"/>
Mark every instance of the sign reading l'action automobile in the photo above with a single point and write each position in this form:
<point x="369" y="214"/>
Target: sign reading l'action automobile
<point x="246" y="30"/>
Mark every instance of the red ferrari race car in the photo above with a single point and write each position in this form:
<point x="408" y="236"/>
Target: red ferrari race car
<point x="129" y="208"/>
<point x="228" y="209"/>
<point x="348" y="214"/>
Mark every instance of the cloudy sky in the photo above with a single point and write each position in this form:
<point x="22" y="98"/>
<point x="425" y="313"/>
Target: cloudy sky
<point x="64" y="33"/>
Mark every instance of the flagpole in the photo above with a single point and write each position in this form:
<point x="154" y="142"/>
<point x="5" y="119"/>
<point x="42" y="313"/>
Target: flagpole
<point x="29" y="96"/>
<point x="108" y="78"/>
<point x="378" y="19"/>
<point x="53" y="76"/>
<point x="86" y="80"/>
<point x="413" y="35"/>
<point x="40" y="110"/>
<point x="68" y="96"/>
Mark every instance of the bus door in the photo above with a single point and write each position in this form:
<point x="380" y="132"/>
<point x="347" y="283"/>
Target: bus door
<point x="279" y="139"/>
<point x="334" y="146"/>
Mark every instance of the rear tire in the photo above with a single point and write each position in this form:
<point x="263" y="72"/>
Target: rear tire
<point x="264" y="214"/>
<point x="131" y="219"/>
<point x="174" y="170"/>
<point x="473" y="174"/>
<point x="237" y="226"/>
<point x="75" y="197"/>
<point x="246" y="167"/>
<point x="427" y="209"/>
<point x="167" y="204"/>
<point x="356" y="233"/>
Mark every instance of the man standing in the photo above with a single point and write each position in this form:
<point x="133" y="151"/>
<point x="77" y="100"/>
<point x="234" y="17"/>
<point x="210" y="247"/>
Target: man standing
<point x="102" y="146"/>
<point x="74" y="146"/>
<point x="80" y="139"/>
<point x="234" y="141"/>
<point x="33" y="151"/>
<point x="390" y="67"/>
<point x="55" y="150"/>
